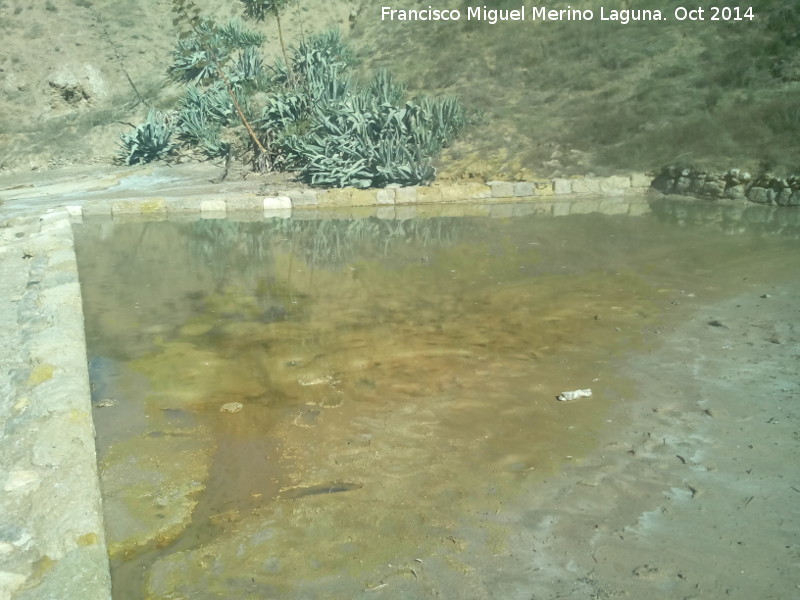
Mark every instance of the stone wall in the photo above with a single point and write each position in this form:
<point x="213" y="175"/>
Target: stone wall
<point x="733" y="185"/>
<point x="52" y="539"/>
<point x="493" y="192"/>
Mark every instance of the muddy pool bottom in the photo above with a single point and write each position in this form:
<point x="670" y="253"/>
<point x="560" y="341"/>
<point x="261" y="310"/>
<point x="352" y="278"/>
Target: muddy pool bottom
<point x="326" y="408"/>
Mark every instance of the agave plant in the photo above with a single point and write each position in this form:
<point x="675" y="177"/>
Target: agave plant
<point x="199" y="56"/>
<point x="313" y="118"/>
<point x="152" y="140"/>
<point x="385" y="88"/>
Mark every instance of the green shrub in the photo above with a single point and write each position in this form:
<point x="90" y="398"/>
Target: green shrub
<point x="258" y="9"/>
<point x="152" y="140"/>
<point x="202" y="116"/>
<point x="335" y="136"/>
<point x="199" y="55"/>
<point x="308" y="116"/>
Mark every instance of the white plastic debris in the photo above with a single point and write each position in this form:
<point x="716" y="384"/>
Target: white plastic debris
<point x="574" y="395"/>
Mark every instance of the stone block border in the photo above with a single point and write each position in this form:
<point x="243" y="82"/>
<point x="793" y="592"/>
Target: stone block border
<point x="735" y="184"/>
<point x="52" y="538"/>
<point x="284" y="201"/>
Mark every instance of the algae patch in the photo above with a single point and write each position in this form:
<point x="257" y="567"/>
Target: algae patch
<point x="150" y="487"/>
<point x="40" y="374"/>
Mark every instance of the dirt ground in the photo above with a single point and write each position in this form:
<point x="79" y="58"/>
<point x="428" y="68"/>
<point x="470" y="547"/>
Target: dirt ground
<point x="698" y="496"/>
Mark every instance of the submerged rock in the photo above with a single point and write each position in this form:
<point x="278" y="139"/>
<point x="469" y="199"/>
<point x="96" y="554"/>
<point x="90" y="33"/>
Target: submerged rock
<point x="150" y="487"/>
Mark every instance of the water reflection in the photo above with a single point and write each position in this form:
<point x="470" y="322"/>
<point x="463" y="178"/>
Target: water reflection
<point x="409" y="365"/>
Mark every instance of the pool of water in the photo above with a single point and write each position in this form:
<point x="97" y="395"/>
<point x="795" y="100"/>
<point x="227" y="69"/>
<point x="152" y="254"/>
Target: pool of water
<point x="315" y="407"/>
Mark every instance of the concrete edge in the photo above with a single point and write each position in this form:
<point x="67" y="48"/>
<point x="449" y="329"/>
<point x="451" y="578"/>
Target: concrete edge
<point x="52" y="539"/>
<point x="392" y="197"/>
<point x="631" y="204"/>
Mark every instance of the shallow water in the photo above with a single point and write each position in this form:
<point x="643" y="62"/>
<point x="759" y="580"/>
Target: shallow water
<point x="397" y="380"/>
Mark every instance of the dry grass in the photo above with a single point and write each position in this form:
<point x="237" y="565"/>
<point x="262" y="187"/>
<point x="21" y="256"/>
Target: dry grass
<point x="555" y="98"/>
<point x="605" y="97"/>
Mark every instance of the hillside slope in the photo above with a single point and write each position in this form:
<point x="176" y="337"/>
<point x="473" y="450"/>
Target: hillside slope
<point x="554" y="97"/>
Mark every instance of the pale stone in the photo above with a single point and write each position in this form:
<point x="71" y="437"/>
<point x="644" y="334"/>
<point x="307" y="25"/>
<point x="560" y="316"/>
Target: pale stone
<point x="760" y="195"/>
<point x="465" y="192"/>
<point x="348" y="197"/>
<point x="385" y="196"/>
<point x="523" y="189"/>
<point x="476" y="191"/>
<point x="562" y="186"/>
<point x="315" y="380"/>
<point x="78" y="84"/>
<point x="22" y="479"/>
<point x="97" y="208"/>
<point x="501" y="189"/>
<point x="614" y="183"/>
<point x="640" y="180"/>
<point x="783" y="197"/>
<point x="363" y="197"/>
<point x="247" y="204"/>
<point x="543" y="188"/>
<point x="155" y="206"/>
<point x="10" y="583"/>
<point x="183" y="205"/>
<point x="713" y="188"/>
<point x="587" y="185"/>
<point x="344" y="197"/>
<point x="303" y="197"/>
<point x="277" y="202"/>
<point x="406" y="195"/>
<point x="735" y="192"/>
<point x="212" y="206"/>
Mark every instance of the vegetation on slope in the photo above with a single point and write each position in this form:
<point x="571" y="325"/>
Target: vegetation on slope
<point x="571" y="97"/>
<point x="304" y="115"/>
<point x="556" y="97"/>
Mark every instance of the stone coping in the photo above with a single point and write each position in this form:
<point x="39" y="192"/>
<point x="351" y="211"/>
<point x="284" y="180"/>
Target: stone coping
<point x="395" y="198"/>
<point x="619" y="205"/>
<point x="52" y="540"/>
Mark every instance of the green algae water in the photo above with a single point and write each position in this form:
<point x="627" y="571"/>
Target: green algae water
<point x="329" y="407"/>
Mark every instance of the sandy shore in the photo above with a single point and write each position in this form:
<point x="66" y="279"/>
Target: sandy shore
<point x="698" y="496"/>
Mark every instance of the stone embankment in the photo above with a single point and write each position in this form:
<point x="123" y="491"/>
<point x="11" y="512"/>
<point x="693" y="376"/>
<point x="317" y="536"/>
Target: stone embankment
<point x="404" y="199"/>
<point x="733" y="185"/>
<point x="52" y="540"/>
